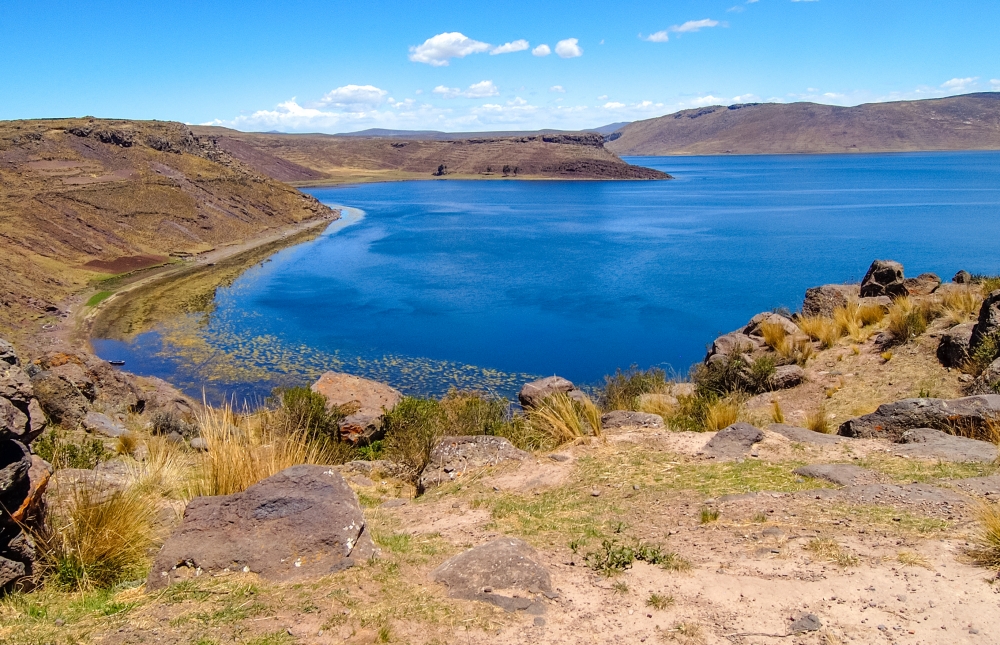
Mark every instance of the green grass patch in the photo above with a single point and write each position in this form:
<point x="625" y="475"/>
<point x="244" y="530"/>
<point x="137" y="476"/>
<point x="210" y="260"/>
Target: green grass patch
<point x="888" y="517"/>
<point x="99" y="297"/>
<point x="915" y="470"/>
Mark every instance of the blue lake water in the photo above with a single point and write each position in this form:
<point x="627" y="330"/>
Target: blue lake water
<point x="483" y="284"/>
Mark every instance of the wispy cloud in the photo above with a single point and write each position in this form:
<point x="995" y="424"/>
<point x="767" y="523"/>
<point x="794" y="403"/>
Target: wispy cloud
<point x="480" y="90"/>
<point x="558" y="88"/>
<point x="691" y="26"/>
<point x="569" y="48"/>
<point x="960" y="84"/>
<point x="541" y="50"/>
<point x="438" y="49"/>
<point x="511" y="47"/>
<point x="658" y="37"/>
<point x="351" y="96"/>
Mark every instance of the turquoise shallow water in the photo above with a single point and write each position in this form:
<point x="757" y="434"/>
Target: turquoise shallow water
<point x="484" y="284"/>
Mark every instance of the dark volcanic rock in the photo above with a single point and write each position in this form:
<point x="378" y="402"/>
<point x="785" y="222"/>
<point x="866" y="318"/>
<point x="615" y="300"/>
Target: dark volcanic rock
<point x="988" y="323"/>
<point x="962" y="277"/>
<point x="891" y="420"/>
<point x="617" y="419"/>
<point x="928" y="443"/>
<point x="753" y="327"/>
<point x="923" y="285"/>
<point x="786" y="376"/>
<point x="884" y="278"/>
<point x="59" y="398"/>
<point x="532" y="394"/>
<point x="7" y="353"/>
<point x="15" y="461"/>
<point x="989" y="381"/>
<point x="805" y="623"/>
<point x="821" y="301"/>
<point x="507" y="565"/>
<point x="453" y="457"/>
<point x="839" y="474"/>
<point x="803" y="435"/>
<point x="953" y="349"/>
<point x="732" y="442"/>
<point x="303" y="522"/>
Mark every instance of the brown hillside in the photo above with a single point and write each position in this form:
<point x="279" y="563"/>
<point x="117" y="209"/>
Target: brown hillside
<point x="319" y="158"/>
<point x="83" y="198"/>
<point x="969" y="122"/>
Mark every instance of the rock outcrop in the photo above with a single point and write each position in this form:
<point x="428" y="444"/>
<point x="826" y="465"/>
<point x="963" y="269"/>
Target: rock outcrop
<point x="839" y="474"/>
<point x="732" y="442"/>
<point x="822" y="300"/>
<point x="372" y="399"/>
<point x="884" y="278"/>
<point x="923" y="285"/>
<point x="953" y="348"/>
<point x="302" y="523"/>
<point x="988" y="323"/>
<point x="453" y="457"/>
<point x="891" y="420"/>
<point x="532" y="394"/>
<point x="504" y="572"/>
<point x="928" y="443"/>
<point x="617" y="419"/>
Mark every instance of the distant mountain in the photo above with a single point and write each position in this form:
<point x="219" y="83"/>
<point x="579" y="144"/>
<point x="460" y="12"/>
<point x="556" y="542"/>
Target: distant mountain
<point x="608" y="129"/>
<point x="967" y="122"/>
<point x="437" y="135"/>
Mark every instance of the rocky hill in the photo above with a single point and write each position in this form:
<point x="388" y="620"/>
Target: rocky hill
<point x="318" y="158"/>
<point x="969" y="122"/>
<point x="83" y="199"/>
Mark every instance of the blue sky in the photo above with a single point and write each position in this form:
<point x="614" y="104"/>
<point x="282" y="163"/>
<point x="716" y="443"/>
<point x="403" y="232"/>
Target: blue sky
<point x="314" y="66"/>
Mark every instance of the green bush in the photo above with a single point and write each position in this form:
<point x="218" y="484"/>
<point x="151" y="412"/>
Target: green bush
<point x="305" y="410"/>
<point x="411" y="430"/>
<point x="622" y="391"/>
<point x="734" y="374"/>
<point x="612" y="557"/>
<point x="60" y="451"/>
<point x="985" y="353"/>
<point x="472" y="413"/>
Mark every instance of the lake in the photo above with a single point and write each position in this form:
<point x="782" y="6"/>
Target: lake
<point x="485" y="284"/>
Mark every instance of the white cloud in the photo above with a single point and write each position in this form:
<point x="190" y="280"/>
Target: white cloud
<point x="746" y="98"/>
<point x="558" y="88"/>
<point x="708" y="99"/>
<point x="541" y="50"/>
<point x="659" y="37"/>
<point x="509" y="48"/>
<point x="995" y="82"/>
<point x="569" y="48"/>
<point x="437" y="50"/>
<point x="602" y="97"/>
<point x="478" y="90"/>
<point x="959" y="84"/>
<point x="694" y="25"/>
<point x="354" y="95"/>
<point x="613" y="105"/>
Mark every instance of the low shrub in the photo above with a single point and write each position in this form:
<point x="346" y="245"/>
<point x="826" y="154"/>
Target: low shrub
<point x="734" y="374"/>
<point x="58" y="448"/>
<point x="622" y="390"/>
<point x="612" y="557"/>
<point x="689" y="413"/>
<point x="412" y="428"/>
<point x="165" y="423"/>
<point x="985" y="353"/>
<point x="472" y="413"/>
<point x="709" y="515"/>
<point x="986" y="551"/>
<point x="563" y="419"/>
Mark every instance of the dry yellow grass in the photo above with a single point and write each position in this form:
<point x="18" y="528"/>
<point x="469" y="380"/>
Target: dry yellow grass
<point x="777" y="414"/>
<point x="818" y="422"/>
<point x="773" y="334"/>
<point x="987" y="549"/>
<point x="164" y="470"/>
<point x="820" y="328"/>
<point x="960" y="304"/>
<point x="564" y="420"/>
<point x="828" y="549"/>
<point x="721" y="414"/>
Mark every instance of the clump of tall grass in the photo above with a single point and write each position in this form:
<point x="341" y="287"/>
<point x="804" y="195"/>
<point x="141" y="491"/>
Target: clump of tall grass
<point x="773" y="334"/>
<point x="622" y="390"/>
<point x="909" y="319"/>
<point x="164" y="469"/>
<point x="960" y="303"/>
<point x="564" y="419"/>
<point x="721" y="413"/>
<point x="817" y="421"/>
<point x="412" y="429"/>
<point x="471" y="413"/>
<point x="986" y="551"/>
<point x="733" y="374"/>
<point x="795" y="350"/>
<point x="988" y="283"/>
<point x="777" y="414"/>
<point x="99" y="538"/>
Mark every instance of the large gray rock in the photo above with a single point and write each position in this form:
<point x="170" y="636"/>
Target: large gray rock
<point x="988" y="323"/>
<point x="821" y="301"/>
<point x="839" y="474"/>
<point x="60" y="399"/>
<point x="504" y="572"/>
<point x="753" y="327"/>
<point x="989" y="381"/>
<point x="732" y="442"/>
<point x="302" y="523"/>
<point x="103" y="424"/>
<point x="953" y="349"/>
<point x="732" y="344"/>
<point x="803" y="435"/>
<point x="617" y="419"/>
<point x="786" y="376"/>
<point x="928" y="443"/>
<point x="532" y="394"/>
<point x="371" y="398"/>
<point x="891" y="420"/>
<point x="884" y="278"/>
<point x="962" y="277"/>
<point x="453" y="457"/>
<point x="15" y="462"/>
<point x="923" y="285"/>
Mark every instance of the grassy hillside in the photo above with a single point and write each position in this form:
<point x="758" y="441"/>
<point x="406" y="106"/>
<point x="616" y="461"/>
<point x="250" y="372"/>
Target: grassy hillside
<point x="82" y="199"/>
<point x="318" y="158"/>
<point x="969" y="122"/>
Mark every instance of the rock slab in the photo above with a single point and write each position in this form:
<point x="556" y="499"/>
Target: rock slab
<point x="821" y="301"/>
<point x="301" y="523"/>
<point x="803" y="435"/>
<point x="891" y="420"/>
<point x="839" y="474"/>
<point x="928" y="443"/>
<point x="372" y="398"/>
<point x="453" y="457"/>
<point x="532" y="394"/>
<point x="732" y="442"/>
<point x="618" y="419"/>
<point x="503" y="565"/>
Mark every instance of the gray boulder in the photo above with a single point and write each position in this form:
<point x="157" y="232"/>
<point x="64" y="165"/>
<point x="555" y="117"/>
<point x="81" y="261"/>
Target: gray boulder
<point x="371" y="398"/>
<point x="891" y="420"/>
<point x="21" y="416"/>
<point x="103" y="424"/>
<point x="803" y="435"/>
<point x="617" y="419"/>
<point x="59" y="398"/>
<point x="953" y="349"/>
<point x="302" y="523"/>
<point x="923" y="285"/>
<point x="988" y="323"/>
<point x="731" y="344"/>
<point x="10" y="572"/>
<point x="732" y="442"/>
<point x="989" y="381"/>
<point x="753" y="327"/>
<point x="962" y="277"/>
<point x="928" y="443"/>
<point x="453" y="457"/>
<point x="884" y="278"/>
<point x="15" y="462"/>
<point x="839" y="474"/>
<point x="821" y="301"/>
<point x="786" y="376"/>
<point x="8" y="354"/>
<point x="532" y="394"/>
<point x="504" y="572"/>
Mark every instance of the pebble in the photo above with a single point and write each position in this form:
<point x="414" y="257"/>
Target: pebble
<point x="539" y="621"/>
<point x="60" y="622"/>
<point x="595" y="493"/>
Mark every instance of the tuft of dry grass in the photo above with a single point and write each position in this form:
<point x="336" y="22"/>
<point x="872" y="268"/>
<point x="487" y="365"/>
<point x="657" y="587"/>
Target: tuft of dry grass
<point x="721" y="413"/>
<point x="773" y="334"/>
<point x="99" y="539"/>
<point x="911" y="559"/>
<point x="987" y="550"/>
<point x="870" y="314"/>
<point x="818" y="422"/>
<point x="909" y="319"/>
<point x="777" y="414"/>
<point x="960" y="304"/>
<point x="165" y="469"/>
<point x="828" y="549"/>
<point x="820" y="328"/>
<point x="564" y="420"/>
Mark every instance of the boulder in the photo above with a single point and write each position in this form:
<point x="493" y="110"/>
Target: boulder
<point x="32" y="509"/>
<point x="732" y="442"/>
<point x="884" y="278"/>
<point x="786" y="376"/>
<point x="21" y="416"/>
<point x="303" y="522"/>
<point x="753" y="327"/>
<point x="15" y="462"/>
<point x="891" y="420"/>
<point x="10" y="572"/>
<point x="989" y="381"/>
<point x="839" y="474"/>
<point x="962" y="277"/>
<point x="8" y="354"/>
<point x="928" y="443"/>
<point x="504" y="572"/>
<point x="453" y="457"/>
<point x="103" y="424"/>
<point x="77" y="376"/>
<point x="953" y="348"/>
<point x="821" y="301"/>
<point x="988" y="323"/>
<point x="59" y="398"/>
<point x="880" y="301"/>
<point x="158" y="396"/>
<point x="803" y="435"/>
<point x="923" y="285"/>
<point x="731" y="344"/>
<point x="532" y="394"/>
<point x="15" y="385"/>
<point x="372" y="399"/>
<point x="617" y="419"/>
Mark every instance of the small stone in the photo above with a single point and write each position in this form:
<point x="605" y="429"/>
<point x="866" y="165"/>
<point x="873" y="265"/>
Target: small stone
<point x="595" y="493"/>
<point x="882" y="628"/>
<point x="561" y="457"/>
<point x="539" y="621"/>
<point x="60" y="622"/>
